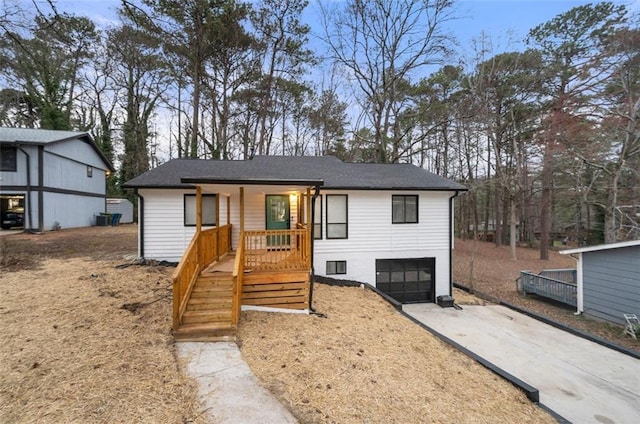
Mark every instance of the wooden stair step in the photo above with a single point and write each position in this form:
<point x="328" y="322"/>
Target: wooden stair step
<point x="215" y="277"/>
<point x="209" y="303"/>
<point x="193" y="317"/>
<point x="211" y="294"/>
<point x="219" y="331"/>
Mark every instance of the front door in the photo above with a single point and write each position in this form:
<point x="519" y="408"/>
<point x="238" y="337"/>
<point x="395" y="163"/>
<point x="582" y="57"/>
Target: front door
<point x="278" y="218"/>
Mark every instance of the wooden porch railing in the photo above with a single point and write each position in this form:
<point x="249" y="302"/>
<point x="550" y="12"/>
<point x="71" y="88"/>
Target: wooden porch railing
<point x="238" y="280"/>
<point x="277" y="249"/>
<point x="205" y="247"/>
<point x="561" y="291"/>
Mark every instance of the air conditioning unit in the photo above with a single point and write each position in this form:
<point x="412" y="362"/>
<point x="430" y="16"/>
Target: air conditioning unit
<point x="445" y="301"/>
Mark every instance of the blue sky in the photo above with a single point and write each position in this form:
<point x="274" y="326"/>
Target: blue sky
<point x="499" y="18"/>
<point x="496" y="17"/>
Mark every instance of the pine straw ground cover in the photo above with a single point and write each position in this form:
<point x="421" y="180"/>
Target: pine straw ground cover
<point x="366" y="363"/>
<point x="495" y="273"/>
<point x="83" y="341"/>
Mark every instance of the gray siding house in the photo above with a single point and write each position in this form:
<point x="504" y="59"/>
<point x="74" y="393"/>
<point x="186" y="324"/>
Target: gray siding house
<point x="52" y="178"/>
<point x="608" y="280"/>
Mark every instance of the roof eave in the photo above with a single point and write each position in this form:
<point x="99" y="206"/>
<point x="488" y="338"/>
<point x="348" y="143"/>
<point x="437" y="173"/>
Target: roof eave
<point x="158" y="186"/>
<point x="618" y="245"/>
<point x="395" y="188"/>
<point x="252" y="181"/>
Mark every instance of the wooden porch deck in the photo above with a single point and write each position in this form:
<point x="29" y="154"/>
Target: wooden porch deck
<point x="279" y="280"/>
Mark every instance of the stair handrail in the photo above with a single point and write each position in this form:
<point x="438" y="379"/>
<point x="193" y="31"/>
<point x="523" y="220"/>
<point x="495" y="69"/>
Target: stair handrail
<point x="238" y="277"/>
<point x="184" y="278"/>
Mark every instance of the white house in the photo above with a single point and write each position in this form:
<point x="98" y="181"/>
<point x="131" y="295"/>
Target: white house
<point x="52" y="178"/>
<point x="385" y="224"/>
<point x="608" y="280"/>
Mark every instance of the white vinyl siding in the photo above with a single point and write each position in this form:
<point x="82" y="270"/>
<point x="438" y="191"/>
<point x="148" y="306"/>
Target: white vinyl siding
<point x="254" y="209"/>
<point x="369" y="215"/>
<point x="165" y="236"/>
<point x="373" y="236"/>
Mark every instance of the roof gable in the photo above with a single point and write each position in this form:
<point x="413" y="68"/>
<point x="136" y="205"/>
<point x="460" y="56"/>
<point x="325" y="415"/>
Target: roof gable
<point x="39" y="137"/>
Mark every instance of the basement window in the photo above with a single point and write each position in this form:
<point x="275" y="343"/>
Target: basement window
<point x="336" y="267"/>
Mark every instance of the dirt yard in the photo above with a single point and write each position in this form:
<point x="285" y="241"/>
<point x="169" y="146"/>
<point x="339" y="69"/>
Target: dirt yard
<point x="366" y="363"/>
<point x="495" y="274"/>
<point x="86" y="338"/>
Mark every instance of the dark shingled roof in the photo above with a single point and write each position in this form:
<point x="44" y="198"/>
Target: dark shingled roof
<point x="38" y="137"/>
<point x="332" y="172"/>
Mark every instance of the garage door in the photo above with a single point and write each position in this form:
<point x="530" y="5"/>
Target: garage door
<point x="407" y="280"/>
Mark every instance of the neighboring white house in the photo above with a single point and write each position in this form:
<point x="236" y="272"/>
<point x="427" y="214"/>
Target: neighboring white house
<point x="608" y="278"/>
<point x="385" y="224"/>
<point x="53" y="178"/>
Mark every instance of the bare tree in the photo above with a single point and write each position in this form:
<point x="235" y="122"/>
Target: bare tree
<point x="382" y="44"/>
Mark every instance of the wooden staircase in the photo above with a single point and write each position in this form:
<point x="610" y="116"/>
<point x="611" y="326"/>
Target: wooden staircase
<point x="208" y="315"/>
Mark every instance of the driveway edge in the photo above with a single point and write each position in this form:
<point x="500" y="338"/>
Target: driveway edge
<point x="554" y="323"/>
<point x="530" y="392"/>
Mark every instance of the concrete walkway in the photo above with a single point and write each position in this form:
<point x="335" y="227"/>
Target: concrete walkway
<point x="580" y="380"/>
<point x="228" y="388"/>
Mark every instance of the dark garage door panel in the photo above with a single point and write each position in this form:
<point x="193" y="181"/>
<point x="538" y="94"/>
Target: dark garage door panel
<point x="407" y="280"/>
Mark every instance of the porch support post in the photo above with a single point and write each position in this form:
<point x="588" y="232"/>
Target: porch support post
<point x="198" y="223"/>
<point x="309" y="223"/>
<point x="229" y="221"/>
<point x="241" y="210"/>
<point x="198" y="209"/>
<point x="217" y="233"/>
<point x="218" y="210"/>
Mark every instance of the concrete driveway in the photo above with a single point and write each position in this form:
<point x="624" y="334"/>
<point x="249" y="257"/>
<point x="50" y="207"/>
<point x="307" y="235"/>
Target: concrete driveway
<point x="580" y="380"/>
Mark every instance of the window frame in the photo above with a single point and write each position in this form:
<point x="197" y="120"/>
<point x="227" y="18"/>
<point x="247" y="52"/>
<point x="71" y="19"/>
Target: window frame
<point x="184" y="210"/>
<point x="13" y="158"/>
<point x="317" y="218"/>
<point x="336" y="270"/>
<point x="346" y="214"/>
<point x="404" y="208"/>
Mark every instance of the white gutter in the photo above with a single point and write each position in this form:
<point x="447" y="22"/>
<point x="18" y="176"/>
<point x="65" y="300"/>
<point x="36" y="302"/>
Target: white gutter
<point x="579" y="283"/>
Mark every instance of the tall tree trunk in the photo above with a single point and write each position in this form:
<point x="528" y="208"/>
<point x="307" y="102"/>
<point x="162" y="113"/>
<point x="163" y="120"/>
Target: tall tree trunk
<point x="545" y="202"/>
<point x="513" y="229"/>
